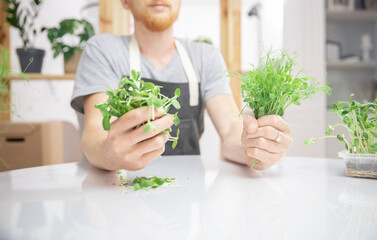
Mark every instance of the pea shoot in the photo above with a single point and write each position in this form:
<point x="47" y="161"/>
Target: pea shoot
<point x="143" y="182"/>
<point x="359" y="119"/>
<point x="271" y="88"/>
<point x="133" y="93"/>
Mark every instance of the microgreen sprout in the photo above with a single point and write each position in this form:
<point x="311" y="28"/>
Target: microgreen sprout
<point x="143" y="182"/>
<point x="134" y="93"/>
<point x="272" y="87"/>
<point x="359" y="119"/>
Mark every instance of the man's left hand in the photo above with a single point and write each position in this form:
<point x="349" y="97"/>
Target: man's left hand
<point x="265" y="140"/>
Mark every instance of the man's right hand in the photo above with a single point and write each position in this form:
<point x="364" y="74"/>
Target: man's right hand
<point x="129" y="146"/>
<point x="125" y="146"/>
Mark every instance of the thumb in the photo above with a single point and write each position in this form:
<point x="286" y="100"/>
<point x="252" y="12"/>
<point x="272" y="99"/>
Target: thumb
<point x="250" y="124"/>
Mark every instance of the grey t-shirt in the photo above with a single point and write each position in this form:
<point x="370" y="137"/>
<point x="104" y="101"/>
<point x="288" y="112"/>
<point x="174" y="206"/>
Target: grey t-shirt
<point x="105" y="59"/>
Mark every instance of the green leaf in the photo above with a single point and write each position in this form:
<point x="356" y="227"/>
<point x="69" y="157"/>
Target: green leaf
<point x="149" y="85"/>
<point x="340" y="138"/>
<point x="174" y="144"/>
<point x="157" y="102"/>
<point x="146" y="128"/>
<point x="106" y="123"/>
<point x="365" y="135"/>
<point x="177" y="92"/>
<point x="136" y="186"/>
<point x="330" y="130"/>
<point x="144" y="183"/>
<point x="374" y="148"/>
<point x="159" y="181"/>
<point x="310" y="142"/>
<point x="176" y="104"/>
<point x="176" y="120"/>
<point x="134" y="75"/>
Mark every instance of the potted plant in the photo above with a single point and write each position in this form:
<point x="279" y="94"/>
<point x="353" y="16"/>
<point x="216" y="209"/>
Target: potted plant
<point x="22" y="18"/>
<point x="69" y="39"/>
<point x="359" y="120"/>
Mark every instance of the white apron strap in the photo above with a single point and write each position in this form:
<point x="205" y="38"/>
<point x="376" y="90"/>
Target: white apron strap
<point x="190" y="74"/>
<point x="186" y="62"/>
<point x="134" y="55"/>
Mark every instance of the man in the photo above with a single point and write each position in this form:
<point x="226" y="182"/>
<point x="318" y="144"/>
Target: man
<point x="196" y="68"/>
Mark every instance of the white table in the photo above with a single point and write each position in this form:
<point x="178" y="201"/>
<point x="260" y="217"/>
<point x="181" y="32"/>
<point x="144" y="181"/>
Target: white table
<point x="300" y="198"/>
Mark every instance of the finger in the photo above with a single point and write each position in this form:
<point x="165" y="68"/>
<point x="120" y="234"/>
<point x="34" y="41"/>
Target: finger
<point x="134" y="118"/>
<point x="250" y="124"/>
<point x="161" y="124"/>
<point x="151" y="144"/>
<point x="148" y="157"/>
<point x="265" y="144"/>
<point x="267" y="132"/>
<point x="274" y="121"/>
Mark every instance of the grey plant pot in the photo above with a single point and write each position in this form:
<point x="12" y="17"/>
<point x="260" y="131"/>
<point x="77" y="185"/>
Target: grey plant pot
<point x="31" y="53"/>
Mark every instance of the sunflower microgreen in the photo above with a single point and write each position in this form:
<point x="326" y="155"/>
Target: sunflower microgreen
<point x="359" y="119"/>
<point x="133" y="93"/>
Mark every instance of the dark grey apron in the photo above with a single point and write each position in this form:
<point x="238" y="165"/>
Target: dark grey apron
<point x="191" y="113"/>
<point x="192" y="121"/>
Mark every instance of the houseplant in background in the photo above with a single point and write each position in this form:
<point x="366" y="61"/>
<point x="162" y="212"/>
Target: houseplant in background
<point x="69" y="39"/>
<point x="360" y="122"/>
<point x="22" y="17"/>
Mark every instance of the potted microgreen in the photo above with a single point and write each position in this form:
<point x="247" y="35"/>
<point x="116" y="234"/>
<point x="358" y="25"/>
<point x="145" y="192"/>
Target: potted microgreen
<point x="272" y="87"/>
<point x="133" y="93"/>
<point x="69" y="39"/>
<point x="359" y="121"/>
<point x="22" y="17"/>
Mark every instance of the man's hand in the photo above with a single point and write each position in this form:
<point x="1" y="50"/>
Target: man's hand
<point x="125" y="146"/>
<point x="265" y="140"/>
<point x="131" y="148"/>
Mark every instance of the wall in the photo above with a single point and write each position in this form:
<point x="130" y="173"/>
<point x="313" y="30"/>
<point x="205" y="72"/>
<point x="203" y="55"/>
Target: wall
<point x="304" y="32"/>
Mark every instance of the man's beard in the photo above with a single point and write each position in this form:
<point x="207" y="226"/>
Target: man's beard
<point x="158" y="24"/>
<point x="153" y="23"/>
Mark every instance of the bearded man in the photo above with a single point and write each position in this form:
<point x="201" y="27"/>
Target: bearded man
<point x="196" y="68"/>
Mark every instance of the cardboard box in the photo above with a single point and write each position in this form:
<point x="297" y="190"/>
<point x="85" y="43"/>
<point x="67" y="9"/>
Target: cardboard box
<point x="25" y="145"/>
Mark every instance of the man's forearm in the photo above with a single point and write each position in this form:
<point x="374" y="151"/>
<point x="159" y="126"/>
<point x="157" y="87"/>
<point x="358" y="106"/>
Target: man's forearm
<point x="231" y="145"/>
<point x="92" y="144"/>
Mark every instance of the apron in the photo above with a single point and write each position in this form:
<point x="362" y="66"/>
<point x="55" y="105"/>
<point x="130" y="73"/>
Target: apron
<point x="191" y="113"/>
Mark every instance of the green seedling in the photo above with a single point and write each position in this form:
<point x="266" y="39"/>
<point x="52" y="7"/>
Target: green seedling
<point x="272" y="87"/>
<point x="359" y="119"/>
<point x="133" y="93"/>
<point x="143" y="182"/>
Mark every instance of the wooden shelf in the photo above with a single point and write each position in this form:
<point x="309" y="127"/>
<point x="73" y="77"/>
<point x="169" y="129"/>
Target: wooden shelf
<point x="352" y="65"/>
<point x="38" y="76"/>
<point x="357" y="15"/>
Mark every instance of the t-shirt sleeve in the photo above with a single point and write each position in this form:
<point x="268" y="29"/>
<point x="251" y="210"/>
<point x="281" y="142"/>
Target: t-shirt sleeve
<point x="94" y="70"/>
<point x="216" y="74"/>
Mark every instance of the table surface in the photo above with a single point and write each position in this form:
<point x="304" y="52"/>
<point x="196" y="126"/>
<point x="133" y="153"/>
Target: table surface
<point x="299" y="198"/>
